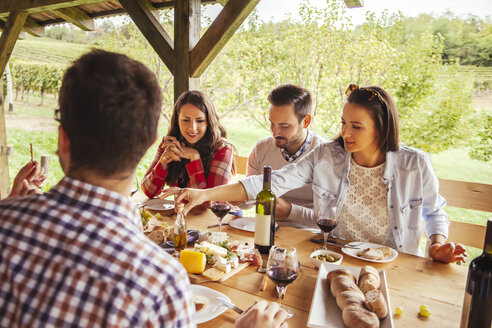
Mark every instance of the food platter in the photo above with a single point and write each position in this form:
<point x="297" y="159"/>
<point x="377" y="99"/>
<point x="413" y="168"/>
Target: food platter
<point x="213" y="308"/>
<point x="157" y="204"/>
<point x="324" y="311"/>
<point x="353" y="252"/>
<point x="245" y="223"/>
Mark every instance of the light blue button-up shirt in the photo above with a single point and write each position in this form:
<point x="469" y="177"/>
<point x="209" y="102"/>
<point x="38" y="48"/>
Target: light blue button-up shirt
<point x="413" y="198"/>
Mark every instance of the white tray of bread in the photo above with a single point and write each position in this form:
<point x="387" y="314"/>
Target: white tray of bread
<point x="362" y="293"/>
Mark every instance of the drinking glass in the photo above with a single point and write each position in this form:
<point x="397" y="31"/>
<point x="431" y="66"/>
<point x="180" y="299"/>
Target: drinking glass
<point x="220" y="209"/>
<point x="326" y="219"/>
<point x="282" y="269"/>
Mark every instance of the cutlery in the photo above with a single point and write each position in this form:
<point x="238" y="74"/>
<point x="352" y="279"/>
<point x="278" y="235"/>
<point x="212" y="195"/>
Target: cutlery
<point x="229" y="305"/>
<point x="216" y="225"/>
<point x="354" y="245"/>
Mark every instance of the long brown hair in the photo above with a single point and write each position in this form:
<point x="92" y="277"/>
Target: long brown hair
<point x="207" y="145"/>
<point x="382" y="109"/>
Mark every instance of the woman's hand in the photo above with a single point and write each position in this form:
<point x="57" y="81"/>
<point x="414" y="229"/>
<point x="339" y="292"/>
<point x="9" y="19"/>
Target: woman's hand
<point x="194" y="197"/>
<point x="172" y="151"/>
<point x="448" y="252"/>
<point x="189" y="153"/>
<point x="262" y="315"/>
<point x="28" y="180"/>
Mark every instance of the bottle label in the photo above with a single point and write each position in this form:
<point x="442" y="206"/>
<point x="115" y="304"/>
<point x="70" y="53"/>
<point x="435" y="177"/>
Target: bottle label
<point x="465" y="314"/>
<point x="262" y="229"/>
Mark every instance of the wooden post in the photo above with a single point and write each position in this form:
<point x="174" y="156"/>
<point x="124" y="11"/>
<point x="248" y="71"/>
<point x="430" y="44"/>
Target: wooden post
<point x="45" y="164"/>
<point x="186" y="35"/>
<point x="9" y="36"/>
<point x="4" y="163"/>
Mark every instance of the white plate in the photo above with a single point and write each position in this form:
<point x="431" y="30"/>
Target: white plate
<point x="244" y="223"/>
<point x="157" y="204"/>
<point x="353" y="252"/>
<point x="213" y="308"/>
<point x="324" y="310"/>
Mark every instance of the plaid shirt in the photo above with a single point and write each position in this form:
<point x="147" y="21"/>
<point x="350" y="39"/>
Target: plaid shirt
<point x="76" y="256"/>
<point x="305" y="145"/>
<point x="219" y="173"/>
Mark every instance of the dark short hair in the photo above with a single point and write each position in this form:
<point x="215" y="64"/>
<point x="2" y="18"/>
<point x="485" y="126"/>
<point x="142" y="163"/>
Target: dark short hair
<point x="206" y="146"/>
<point x="109" y="108"/>
<point x="383" y="112"/>
<point x="290" y="94"/>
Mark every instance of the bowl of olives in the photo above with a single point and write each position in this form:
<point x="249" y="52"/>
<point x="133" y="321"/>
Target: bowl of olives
<point x="324" y="255"/>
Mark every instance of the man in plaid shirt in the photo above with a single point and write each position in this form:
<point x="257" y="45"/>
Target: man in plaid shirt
<point x="76" y="255"/>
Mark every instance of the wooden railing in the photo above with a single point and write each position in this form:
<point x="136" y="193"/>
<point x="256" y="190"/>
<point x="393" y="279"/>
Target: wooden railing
<point x="467" y="195"/>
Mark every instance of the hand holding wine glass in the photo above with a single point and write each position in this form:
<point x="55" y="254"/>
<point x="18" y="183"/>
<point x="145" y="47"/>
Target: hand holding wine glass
<point x="326" y="219"/>
<point x="220" y="209"/>
<point x="282" y="269"/>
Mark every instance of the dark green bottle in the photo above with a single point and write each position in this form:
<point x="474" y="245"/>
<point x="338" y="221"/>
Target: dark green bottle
<point x="265" y="214"/>
<point x="477" y="306"/>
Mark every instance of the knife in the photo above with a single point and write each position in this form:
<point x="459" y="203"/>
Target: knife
<point x="229" y="305"/>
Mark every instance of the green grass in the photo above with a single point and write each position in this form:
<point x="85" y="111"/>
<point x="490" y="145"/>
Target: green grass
<point x="47" y="50"/>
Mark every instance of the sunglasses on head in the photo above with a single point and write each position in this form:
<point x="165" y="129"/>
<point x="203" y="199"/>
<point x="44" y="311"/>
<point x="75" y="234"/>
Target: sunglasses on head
<point x="352" y="87"/>
<point x="57" y="115"/>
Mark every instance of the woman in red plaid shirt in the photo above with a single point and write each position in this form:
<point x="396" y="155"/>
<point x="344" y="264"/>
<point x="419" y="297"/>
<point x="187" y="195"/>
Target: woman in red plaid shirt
<point x="195" y="153"/>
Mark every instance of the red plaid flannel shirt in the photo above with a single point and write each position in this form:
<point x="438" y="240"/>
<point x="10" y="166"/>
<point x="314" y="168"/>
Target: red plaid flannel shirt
<point x="219" y="173"/>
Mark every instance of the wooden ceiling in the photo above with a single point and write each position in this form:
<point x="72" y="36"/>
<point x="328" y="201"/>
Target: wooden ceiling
<point x="80" y="13"/>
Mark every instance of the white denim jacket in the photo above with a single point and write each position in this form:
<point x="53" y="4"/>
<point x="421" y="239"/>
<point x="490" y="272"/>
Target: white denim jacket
<point x="413" y="196"/>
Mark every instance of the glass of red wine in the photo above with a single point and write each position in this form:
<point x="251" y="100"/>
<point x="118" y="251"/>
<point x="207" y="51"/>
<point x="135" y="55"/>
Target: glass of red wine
<point x="326" y="220"/>
<point x="220" y="209"/>
<point x="282" y="269"/>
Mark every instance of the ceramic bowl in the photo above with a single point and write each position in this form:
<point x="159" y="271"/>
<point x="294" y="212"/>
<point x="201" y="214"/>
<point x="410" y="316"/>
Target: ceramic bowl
<point x="338" y="257"/>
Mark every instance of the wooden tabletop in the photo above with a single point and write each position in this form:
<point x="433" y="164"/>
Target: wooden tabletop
<point x="412" y="280"/>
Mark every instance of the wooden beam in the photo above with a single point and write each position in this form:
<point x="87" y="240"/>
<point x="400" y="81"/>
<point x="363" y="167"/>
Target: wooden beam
<point x="36" y="6"/>
<point x="469" y="195"/>
<point x="186" y="35"/>
<point x="468" y="234"/>
<point x="152" y="30"/>
<point x="4" y="162"/>
<point x="11" y="32"/>
<point x="222" y="2"/>
<point x="222" y="29"/>
<point x="33" y="28"/>
<point x="30" y="27"/>
<point x="77" y="17"/>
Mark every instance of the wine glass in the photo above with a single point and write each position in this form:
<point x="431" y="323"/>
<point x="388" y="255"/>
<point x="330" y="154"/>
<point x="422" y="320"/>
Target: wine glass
<point x="282" y="269"/>
<point x="326" y="219"/>
<point x="135" y="188"/>
<point x="220" y="209"/>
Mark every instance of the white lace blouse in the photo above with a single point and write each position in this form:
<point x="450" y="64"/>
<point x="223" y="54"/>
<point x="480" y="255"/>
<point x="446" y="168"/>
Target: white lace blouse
<point x="364" y="215"/>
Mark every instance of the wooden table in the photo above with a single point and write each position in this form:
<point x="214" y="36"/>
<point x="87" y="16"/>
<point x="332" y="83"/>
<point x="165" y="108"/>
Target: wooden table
<point x="412" y="281"/>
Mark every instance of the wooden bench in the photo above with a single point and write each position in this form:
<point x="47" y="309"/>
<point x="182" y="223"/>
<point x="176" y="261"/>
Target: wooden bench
<point x="467" y="195"/>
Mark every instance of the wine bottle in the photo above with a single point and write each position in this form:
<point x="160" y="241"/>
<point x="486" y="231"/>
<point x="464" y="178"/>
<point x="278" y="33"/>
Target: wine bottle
<point x="265" y="214"/>
<point x="477" y="306"/>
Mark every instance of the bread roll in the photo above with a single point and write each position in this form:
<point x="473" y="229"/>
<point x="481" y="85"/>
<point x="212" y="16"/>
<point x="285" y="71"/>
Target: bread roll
<point x="375" y="302"/>
<point x="368" y="269"/>
<point x="373" y="254"/>
<point x="355" y="316"/>
<point x="350" y="297"/>
<point x="340" y="272"/>
<point x="157" y="237"/>
<point x="342" y="283"/>
<point x="368" y="282"/>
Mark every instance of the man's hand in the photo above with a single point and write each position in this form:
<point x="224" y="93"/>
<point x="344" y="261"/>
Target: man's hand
<point x="448" y="252"/>
<point x="28" y="180"/>
<point x="282" y="209"/>
<point x="262" y="315"/>
<point x="194" y="197"/>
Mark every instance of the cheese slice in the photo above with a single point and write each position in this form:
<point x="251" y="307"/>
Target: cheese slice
<point x="212" y="249"/>
<point x="193" y="261"/>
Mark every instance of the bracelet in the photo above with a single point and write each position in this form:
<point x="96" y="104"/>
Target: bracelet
<point x="436" y="243"/>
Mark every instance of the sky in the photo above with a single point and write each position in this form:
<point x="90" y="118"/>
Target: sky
<point x="270" y="10"/>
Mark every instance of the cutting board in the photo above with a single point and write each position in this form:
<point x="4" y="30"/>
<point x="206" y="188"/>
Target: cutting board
<point x="199" y="279"/>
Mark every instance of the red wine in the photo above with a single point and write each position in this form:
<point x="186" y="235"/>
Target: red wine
<point x="327" y="225"/>
<point x="477" y="305"/>
<point x="220" y="210"/>
<point x="265" y="214"/>
<point x="282" y="276"/>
